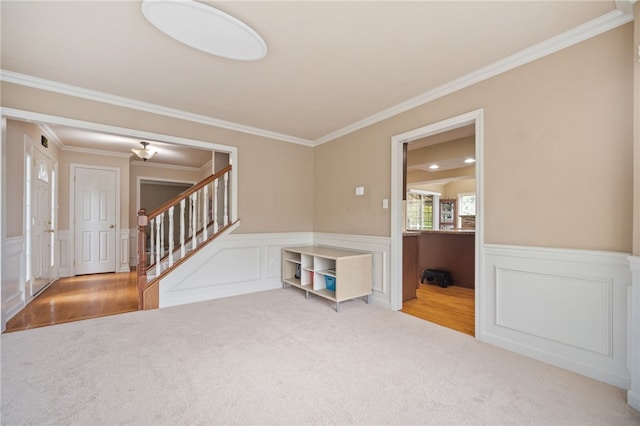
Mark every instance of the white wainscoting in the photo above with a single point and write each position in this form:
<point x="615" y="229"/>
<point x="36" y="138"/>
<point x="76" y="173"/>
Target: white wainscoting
<point x="64" y="253"/>
<point x="378" y="246"/>
<point x="13" y="296"/>
<point x="244" y="263"/>
<point x="231" y="265"/>
<point x="123" y="262"/>
<point x="633" y="395"/>
<point x="565" y="307"/>
<point x="133" y="247"/>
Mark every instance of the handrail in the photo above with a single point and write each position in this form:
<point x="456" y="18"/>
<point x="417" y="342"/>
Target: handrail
<point x="188" y="192"/>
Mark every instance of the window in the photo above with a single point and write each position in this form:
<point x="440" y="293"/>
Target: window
<point x="467" y="206"/>
<point x="420" y="211"/>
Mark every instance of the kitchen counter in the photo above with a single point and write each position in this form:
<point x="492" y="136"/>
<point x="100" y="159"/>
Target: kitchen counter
<point x="442" y="231"/>
<point x="451" y="250"/>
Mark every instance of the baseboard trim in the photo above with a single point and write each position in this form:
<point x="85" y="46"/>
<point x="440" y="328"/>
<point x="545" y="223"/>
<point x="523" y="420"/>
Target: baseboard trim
<point x="611" y="378"/>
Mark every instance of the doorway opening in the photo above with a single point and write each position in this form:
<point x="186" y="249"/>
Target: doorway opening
<point x="450" y="223"/>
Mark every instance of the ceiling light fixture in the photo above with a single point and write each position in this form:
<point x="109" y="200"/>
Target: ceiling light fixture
<point x="144" y="153"/>
<point x="434" y="167"/>
<point x="205" y="28"/>
<point x="470" y="160"/>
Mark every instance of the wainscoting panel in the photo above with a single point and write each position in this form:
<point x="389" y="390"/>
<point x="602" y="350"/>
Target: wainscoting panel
<point x="231" y="265"/>
<point x="133" y="247"/>
<point x="123" y="264"/>
<point x="565" y="307"/>
<point x="533" y="303"/>
<point x="13" y="296"/>
<point x="64" y="254"/>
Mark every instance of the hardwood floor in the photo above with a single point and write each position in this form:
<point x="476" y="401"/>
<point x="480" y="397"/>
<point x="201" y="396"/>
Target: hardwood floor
<point x="452" y="307"/>
<point x="77" y="298"/>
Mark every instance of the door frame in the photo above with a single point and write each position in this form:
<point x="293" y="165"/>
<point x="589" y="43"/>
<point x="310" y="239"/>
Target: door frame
<point x="30" y="148"/>
<point x="476" y="118"/>
<point x="72" y="212"/>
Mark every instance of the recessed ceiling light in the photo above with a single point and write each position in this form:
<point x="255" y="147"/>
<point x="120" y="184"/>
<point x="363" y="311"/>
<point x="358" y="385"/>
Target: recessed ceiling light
<point x="470" y="160"/>
<point x="434" y="167"/>
<point x="205" y="28"/>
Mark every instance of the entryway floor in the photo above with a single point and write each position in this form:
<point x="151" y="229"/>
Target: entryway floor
<point x="452" y="307"/>
<point x="77" y="298"/>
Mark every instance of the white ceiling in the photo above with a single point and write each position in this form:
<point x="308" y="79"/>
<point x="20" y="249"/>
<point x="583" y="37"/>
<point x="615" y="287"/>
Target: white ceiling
<point x="329" y="64"/>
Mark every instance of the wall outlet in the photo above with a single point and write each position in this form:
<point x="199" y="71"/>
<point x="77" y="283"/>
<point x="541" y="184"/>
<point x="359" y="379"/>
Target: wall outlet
<point x="359" y="190"/>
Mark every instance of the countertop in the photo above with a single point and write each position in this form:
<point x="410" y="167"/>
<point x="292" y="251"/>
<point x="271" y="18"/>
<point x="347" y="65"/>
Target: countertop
<point x="442" y="231"/>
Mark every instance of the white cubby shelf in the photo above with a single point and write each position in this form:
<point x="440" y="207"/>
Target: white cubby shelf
<point x="306" y="268"/>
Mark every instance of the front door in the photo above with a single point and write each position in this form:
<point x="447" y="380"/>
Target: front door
<point x="42" y="223"/>
<point x="95" y="220"/>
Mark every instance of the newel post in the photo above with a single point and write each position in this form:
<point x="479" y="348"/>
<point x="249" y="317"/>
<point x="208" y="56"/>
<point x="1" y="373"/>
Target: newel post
<point x="141" y="267"/>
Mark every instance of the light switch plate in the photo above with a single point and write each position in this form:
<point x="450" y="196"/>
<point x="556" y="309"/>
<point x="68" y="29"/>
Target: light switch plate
<point x="359" y="190"/>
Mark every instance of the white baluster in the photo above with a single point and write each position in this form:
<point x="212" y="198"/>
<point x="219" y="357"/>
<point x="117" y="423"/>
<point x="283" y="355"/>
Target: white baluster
<point x="205" y="212"/>
<point x="215" y="206"/>
<point x="194" y="198"/>
<point x="226" y="199"/>
<point x="170" y="236"/>
<point x="152" y="239"/>
<point x="182" y="219"/>
<point x="158" y="220"/>
<point x="161" y="245"/>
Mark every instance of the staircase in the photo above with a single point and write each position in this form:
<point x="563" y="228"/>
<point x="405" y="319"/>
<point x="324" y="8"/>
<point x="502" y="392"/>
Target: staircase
<point x="173" y="232"/>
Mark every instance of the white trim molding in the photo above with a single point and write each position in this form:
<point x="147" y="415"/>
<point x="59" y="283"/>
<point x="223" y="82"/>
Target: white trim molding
<point x="564" y="307"/>
<point x="633" y="395"/>
<point x="106" y="98"/>
<point x="13" y="278"/>
<point x="475" y="118"/>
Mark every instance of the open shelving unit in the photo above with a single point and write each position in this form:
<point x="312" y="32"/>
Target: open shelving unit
<point x="307" y="268"/>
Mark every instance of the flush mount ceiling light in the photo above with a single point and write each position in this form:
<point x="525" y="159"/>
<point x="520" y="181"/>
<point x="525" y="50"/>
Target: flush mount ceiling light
<point x="470" y="160"/>
<point x="434" y="167"/>
<point x="205" y="28"/>
<point x="144" y="153"/>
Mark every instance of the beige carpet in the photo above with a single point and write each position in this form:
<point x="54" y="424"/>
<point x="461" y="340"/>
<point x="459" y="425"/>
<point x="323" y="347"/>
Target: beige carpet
<point x="276" y="358"/>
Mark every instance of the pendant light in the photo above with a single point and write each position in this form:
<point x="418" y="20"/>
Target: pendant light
<point x="144" y="153"/>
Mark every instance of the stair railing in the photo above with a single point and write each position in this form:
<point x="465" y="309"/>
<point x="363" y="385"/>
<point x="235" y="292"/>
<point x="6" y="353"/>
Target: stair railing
<point x="201" y="214"/>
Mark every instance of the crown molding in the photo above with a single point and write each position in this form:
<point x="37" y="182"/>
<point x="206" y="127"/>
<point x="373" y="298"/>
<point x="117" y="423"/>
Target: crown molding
<point x="576" y="35"/>
<point x="94" y="95"/>
<point x="96" y="152"/>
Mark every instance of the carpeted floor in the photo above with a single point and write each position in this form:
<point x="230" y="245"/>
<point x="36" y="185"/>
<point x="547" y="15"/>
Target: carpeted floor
<point x="277" y="358"/>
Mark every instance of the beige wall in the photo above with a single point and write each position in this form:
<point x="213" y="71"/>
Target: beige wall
<point x="145" y="171"/>
<point x="558" y="154"/>
<point x="636" y="133"/>
<point x="557" y="148"/>
<point x="275" y="179"/>
<point x="464" y="186"/>
<point x="15" y="146"/>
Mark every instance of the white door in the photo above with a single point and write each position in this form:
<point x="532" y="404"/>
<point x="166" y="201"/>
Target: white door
<point x="42" y="223"/>
<point x="95" y="220"/>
